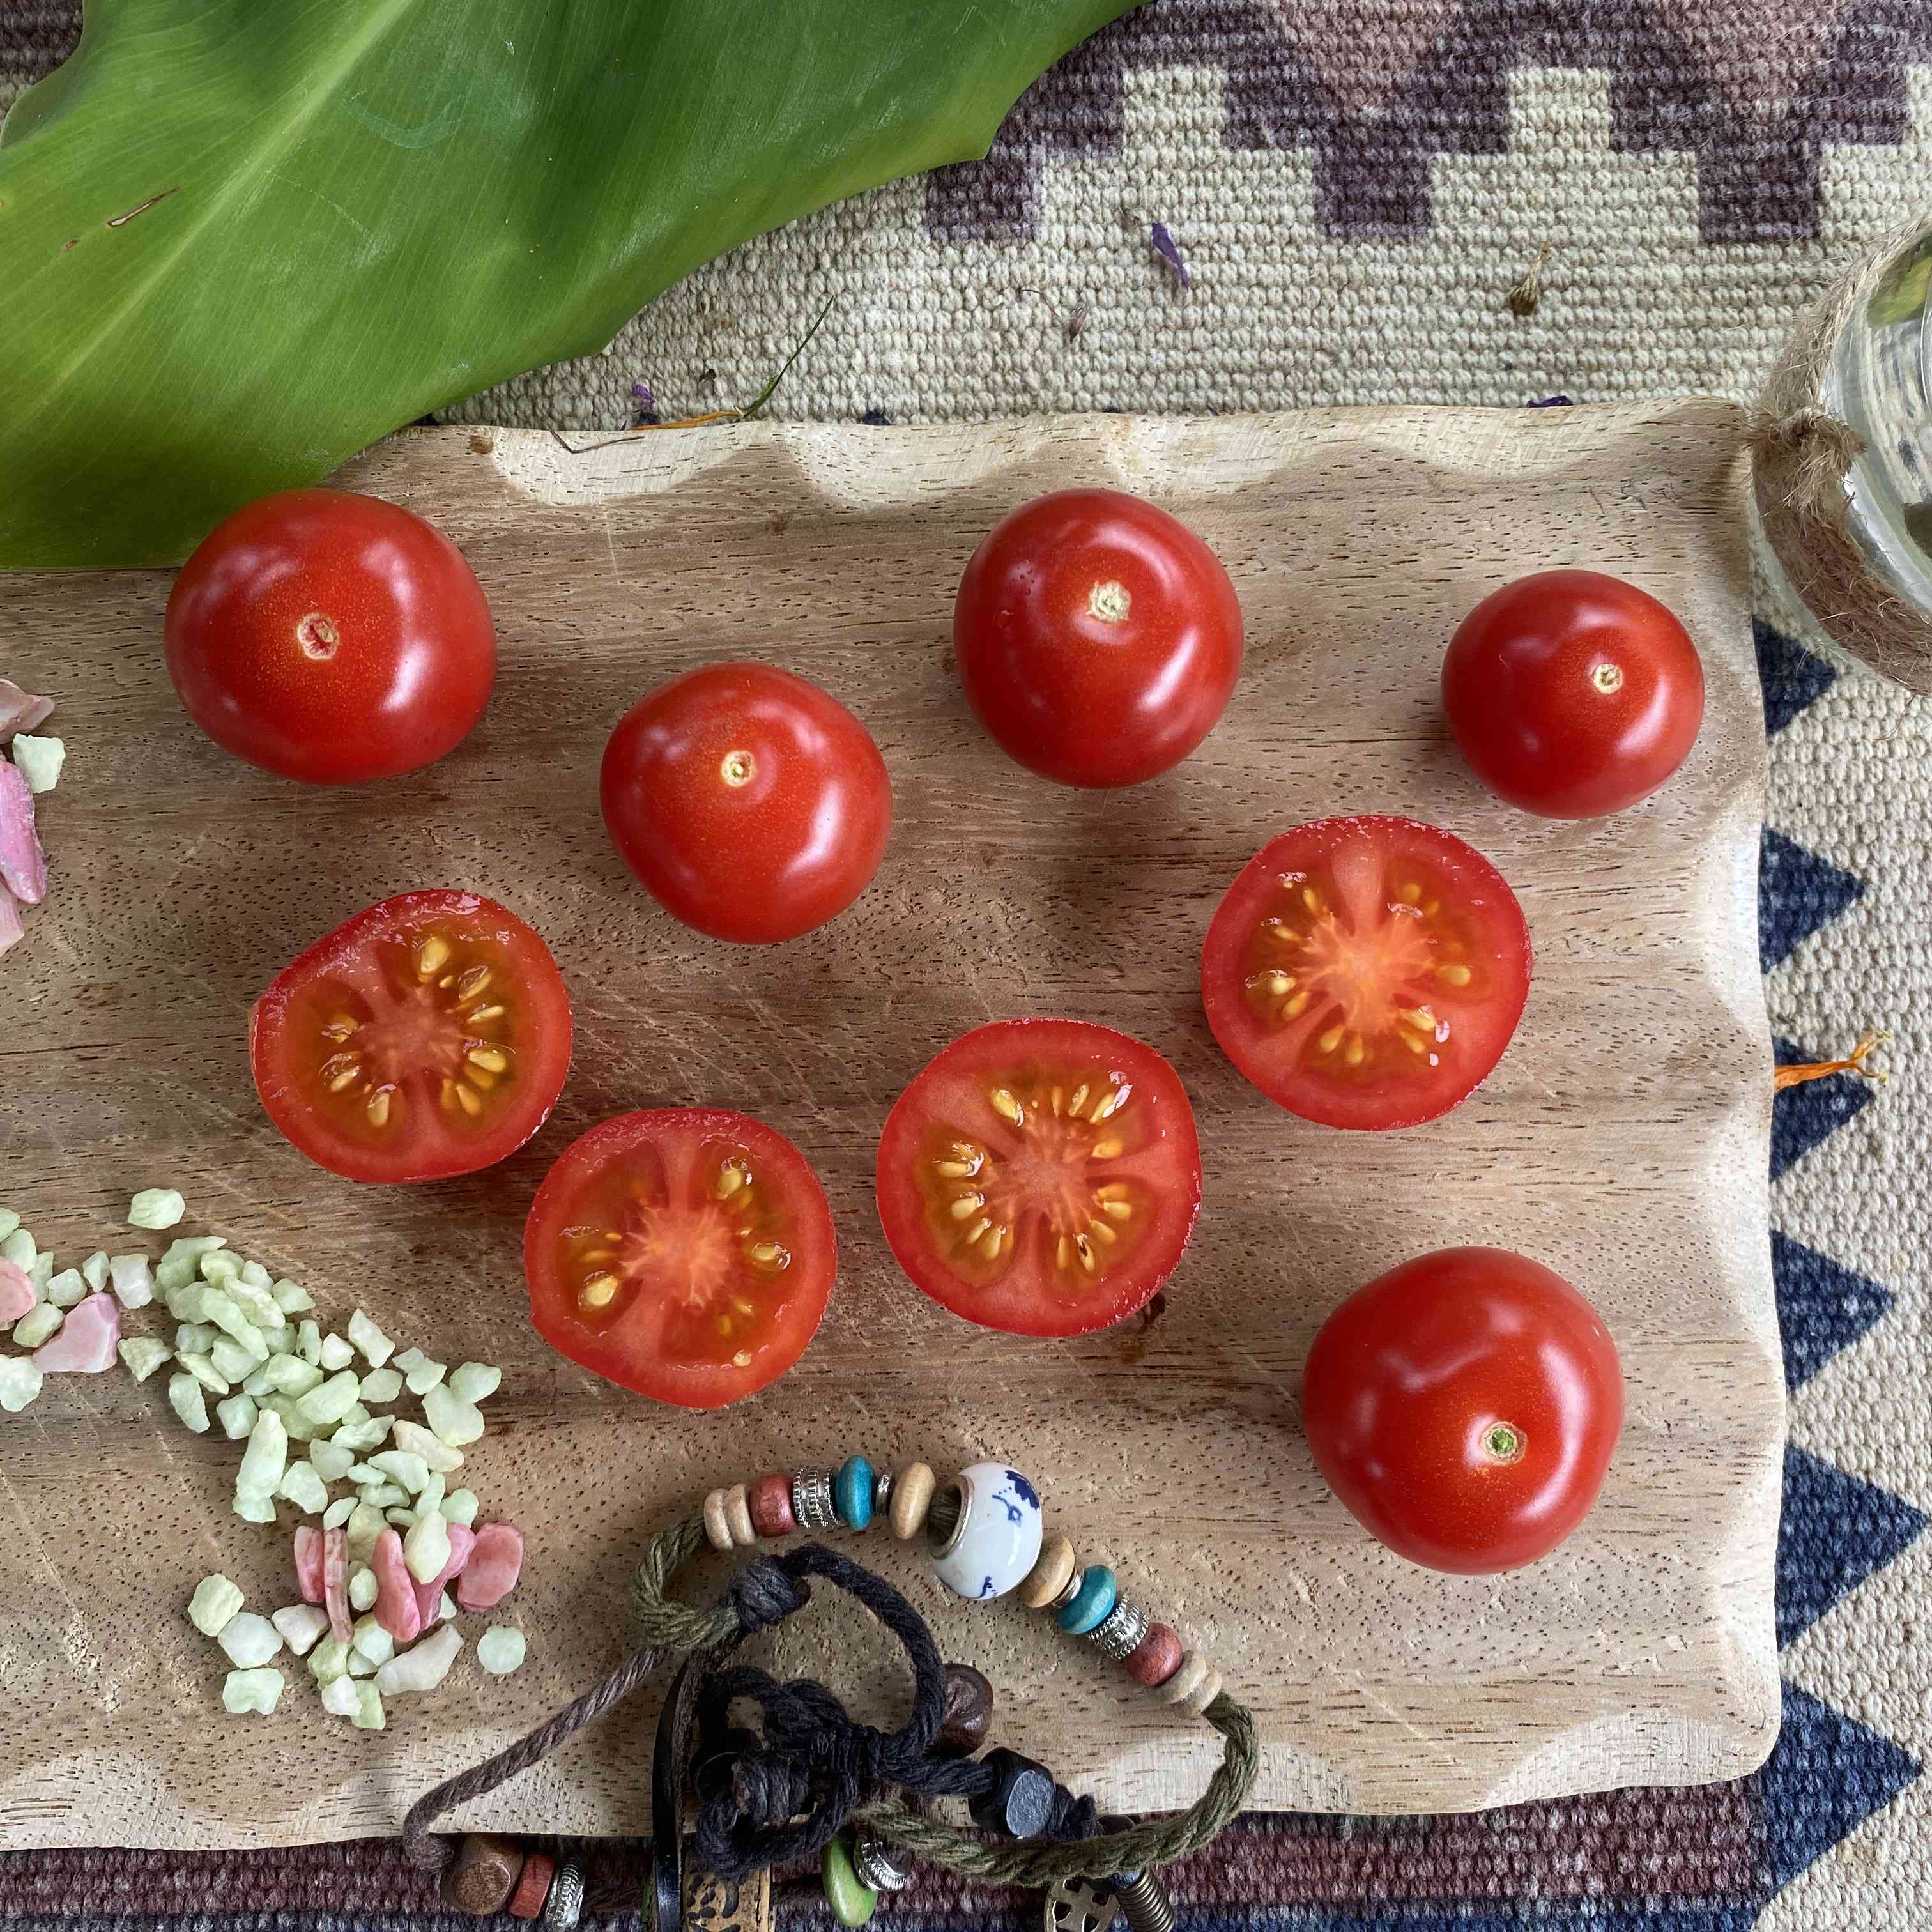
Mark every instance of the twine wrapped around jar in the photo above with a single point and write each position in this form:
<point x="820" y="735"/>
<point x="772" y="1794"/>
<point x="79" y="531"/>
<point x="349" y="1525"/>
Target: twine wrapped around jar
<point x="1801" y="456"/>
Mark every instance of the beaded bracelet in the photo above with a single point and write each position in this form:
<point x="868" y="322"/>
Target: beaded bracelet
<point x="986" y="1531"/>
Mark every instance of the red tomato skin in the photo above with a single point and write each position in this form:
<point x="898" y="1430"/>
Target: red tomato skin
<point x="540" y="988"/>
<point x="1519" y="689"/>
<point x="1079" y="699"/>
<point x="770" y="858"/>
<point x="703" y="1386"/>
<point x="415" y="651"/>
<point x="1405" y="1377"/>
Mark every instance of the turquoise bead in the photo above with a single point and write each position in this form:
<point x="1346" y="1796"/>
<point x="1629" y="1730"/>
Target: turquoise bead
<point x="853" y="1901"/>
<point x="852" y="1491"/>
<point x="1093" y="1602"/>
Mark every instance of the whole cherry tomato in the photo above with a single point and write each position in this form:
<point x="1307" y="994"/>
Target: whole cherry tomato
<point x="753" y="805"/>
<point x="1098" y="637"/>
<point x="1464" y="1406"/>
<point x="1572" y="694"/>
<point x="330" y="637"/>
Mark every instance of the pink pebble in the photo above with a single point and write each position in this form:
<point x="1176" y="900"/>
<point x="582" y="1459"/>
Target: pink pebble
<point x="396" y="1607"/>
<point x="16" y="1292"/>
<point x="494" y="1565"/>
<point x="335" y="1583"/>
<point x="429" y="1596"/>
<point x="308" y="1562"/>
<point x="85" y="1343"/>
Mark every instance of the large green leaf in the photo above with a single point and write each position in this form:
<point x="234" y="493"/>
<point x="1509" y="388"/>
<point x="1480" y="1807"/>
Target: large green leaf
<point x="351" y="212"/>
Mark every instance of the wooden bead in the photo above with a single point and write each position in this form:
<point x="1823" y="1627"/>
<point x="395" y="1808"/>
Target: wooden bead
<point x="485" y="1874"/>
<point x="1156" y="1657"/>
<point x="1050" y="1575"/>
<point x="1193" y="1670"/>
<point x="911" y="1501"/>
<point x="717" y="1524"/>
<point x="769" y="1499"/>
<point x="533" y="1888"/>
<point x="968" y="1717"/>
<point x="738" y="1517"/>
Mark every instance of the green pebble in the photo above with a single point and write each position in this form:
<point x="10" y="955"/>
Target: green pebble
<point x="853" y="1901"/>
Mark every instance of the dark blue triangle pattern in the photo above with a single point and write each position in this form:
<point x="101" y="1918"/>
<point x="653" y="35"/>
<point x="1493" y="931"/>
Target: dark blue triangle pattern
<point x="1827" y="1775"/>
<point x="1822" y="1307"/>
<point x="1802" y="1116"/>
<point x="1793" y="679"/>
<point x="1797" y="892"/>
<point x="1835" y="1531"/>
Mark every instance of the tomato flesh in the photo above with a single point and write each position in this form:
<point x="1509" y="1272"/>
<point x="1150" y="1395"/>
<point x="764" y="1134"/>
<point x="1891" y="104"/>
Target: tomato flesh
<point x="753" y="805"/>
<point x="1572" y="694"/>
<point x="687" y="1253"/>
<point x="1465" y="1407"/>
<point x="1041" y="1176"/>
<point x="330" y="637"/>
<point x="1097" y="637"/>
<point x="428" y="1037"/>
<point x="1366" y="972"/>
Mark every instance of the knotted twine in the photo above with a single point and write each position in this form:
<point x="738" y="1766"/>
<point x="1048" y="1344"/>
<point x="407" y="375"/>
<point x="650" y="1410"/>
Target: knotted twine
<point x="788" y="1794"/>
<point x="1801" y="456"/>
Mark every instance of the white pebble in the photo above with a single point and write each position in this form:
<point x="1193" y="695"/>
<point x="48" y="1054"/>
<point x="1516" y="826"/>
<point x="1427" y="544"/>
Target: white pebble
<point x="249" y="1639"/>
<point x="304" y="1488"/>
<point x="476" y="1381"/>
<point x="40" y="759"/>
<point x="94" y="1270"/>
<point x="376" y="1346"/>
<point x="418" y="1440"/>
<point x="186" y="1399"/>
<point x="338" y="1513"/>
<point x="214" y="1605"/>
<point x="66" y="1288"/>
<point x="236" y="1416"/>
<point x="460" y="1506"/>
<point x="424" y="1665"/>
<point x="372" y="1641"/>
<point x="20" y="1381"/>
<point x="500" y="1649"/>
<point x="301" y="1626"/>
<point x="156" y="1207"/>
<point x="426" y="1548"/>
<point x="381" y="1385"/>
<point x="143" y="1355"/>
<point x="132" y="1279"/>
<point x="251" y="1691"/>
<point x="455" y="1423"/>
<point x="335" y="1353"/>
<point x="363" y="1588"/>
<point x="340" y="1697"/>
<point x="265" y="1457"/>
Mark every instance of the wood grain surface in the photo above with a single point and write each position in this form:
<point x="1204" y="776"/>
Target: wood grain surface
<point x="1623" y="1140"/>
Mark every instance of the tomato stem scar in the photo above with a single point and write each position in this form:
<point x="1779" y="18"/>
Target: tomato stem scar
<point x="737" y="769"/>
<point x="1503" y="1442"/>
<point x="317" y="634"/>
<point x="1109" y="602"/>
<point x="1608" y="678"/>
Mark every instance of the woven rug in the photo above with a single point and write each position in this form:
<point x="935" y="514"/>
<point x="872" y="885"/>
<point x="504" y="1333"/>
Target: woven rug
<point x="1355" y="189"/>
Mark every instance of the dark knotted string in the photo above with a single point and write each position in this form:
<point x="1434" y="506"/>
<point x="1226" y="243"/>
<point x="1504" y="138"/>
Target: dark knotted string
<point x="810" y="1750"/>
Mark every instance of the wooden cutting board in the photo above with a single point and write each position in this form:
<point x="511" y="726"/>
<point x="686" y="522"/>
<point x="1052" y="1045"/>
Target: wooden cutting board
<point x="1623" y="1140"/>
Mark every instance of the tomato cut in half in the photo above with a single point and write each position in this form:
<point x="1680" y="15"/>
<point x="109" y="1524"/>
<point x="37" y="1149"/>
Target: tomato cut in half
<point x="1366" y="972"/>
<point x="428" y="1036"/>
<point x="1041" y="1176"/>
<point x="685" y="1252"/>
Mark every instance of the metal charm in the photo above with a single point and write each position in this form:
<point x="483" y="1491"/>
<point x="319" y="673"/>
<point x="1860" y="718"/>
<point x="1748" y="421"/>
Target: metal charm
<point x="1119" y="1633"/>
<point x="880" y="1864"/>
<point x="563" y="1905"/>
<point x="1145" y="1904"/>
<point x="1080" y="1905"/>
<point x="811" y="1505"/>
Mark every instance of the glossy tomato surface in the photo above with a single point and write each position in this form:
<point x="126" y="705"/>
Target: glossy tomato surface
<point x="1572" y="694"/>
<point x="330" y="637"/>
<point x="752" y="805"/>
<point x="1464" y="1406"/>
<point x="1366" y="972"/>
<point x="428" y="1036"/>
<point x="1041" y="1176"/>
<point x="684" y="1252"/>
<point x="1097" y="637"/>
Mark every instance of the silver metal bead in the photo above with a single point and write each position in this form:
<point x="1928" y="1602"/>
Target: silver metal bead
<point x="1069" y="1591"/>
<point x="1145" y="1904"/>
<point x="881" y="1864"/>
<point x="563" y="1904"/>
<point x="811" y="1505"/>
<point x="1118" y="1634"/>
<point x="882" y="1490"/>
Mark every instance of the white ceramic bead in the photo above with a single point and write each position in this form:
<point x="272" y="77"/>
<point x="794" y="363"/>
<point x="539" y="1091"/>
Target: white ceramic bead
<point x="997" y="1540"/>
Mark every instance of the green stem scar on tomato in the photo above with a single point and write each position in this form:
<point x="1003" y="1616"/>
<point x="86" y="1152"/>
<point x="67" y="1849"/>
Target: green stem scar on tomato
<point x="687" y="1253"/>
<point x="428" y="1037"/>
<point x="1041" y="1176"/>
<point x="1572" y="694"/>
<point x="1366" y="972"/>
<point x="751" y="804"/>
<point x="1464" y="1406"/>
<point x="330" y="638"/>
<point x="1098" y="637"/>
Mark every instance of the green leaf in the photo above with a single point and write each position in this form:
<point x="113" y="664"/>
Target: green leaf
<point x="240" y="239"/>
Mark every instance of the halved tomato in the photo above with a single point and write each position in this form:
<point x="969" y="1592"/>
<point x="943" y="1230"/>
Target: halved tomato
<point x="1041" y="1176"/>
<point x="1366" y="972"/>
<point x="428" y="1036"/>
<point x="685" y="1252"/>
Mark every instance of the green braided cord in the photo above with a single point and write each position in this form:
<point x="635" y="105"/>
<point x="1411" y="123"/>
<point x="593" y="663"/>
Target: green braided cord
<point x="1034" y="1861"/>
<point x="1039" y="1861"/>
